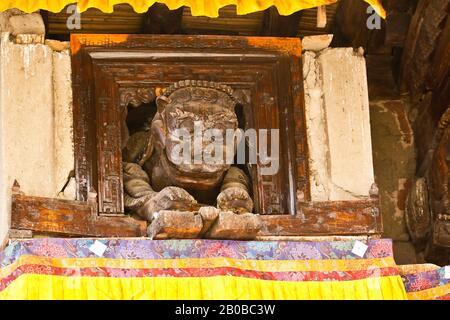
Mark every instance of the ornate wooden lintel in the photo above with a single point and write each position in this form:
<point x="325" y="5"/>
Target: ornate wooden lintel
<point x="77" y="218"/>
<point x="66" y="217"/>
<point x="327" y="218"/>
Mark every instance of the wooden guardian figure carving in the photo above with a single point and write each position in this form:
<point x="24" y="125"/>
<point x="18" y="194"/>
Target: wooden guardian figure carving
<point x="156" y="175"/>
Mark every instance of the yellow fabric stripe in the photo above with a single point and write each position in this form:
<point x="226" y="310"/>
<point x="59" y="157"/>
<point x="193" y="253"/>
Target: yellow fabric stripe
<point x="38" y="287"/>
<point x="198" y="8"/>
<point x="430" y="294"/>
<point x="257" y="265"/>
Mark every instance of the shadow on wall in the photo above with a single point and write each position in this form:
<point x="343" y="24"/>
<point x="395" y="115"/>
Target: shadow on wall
<point x="395" y="166"/>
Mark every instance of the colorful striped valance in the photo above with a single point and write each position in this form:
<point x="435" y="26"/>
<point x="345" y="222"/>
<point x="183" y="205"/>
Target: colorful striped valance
<point x="208" y="8"/>
<point x="427" y="284"/>
<point x="198" y="269"/>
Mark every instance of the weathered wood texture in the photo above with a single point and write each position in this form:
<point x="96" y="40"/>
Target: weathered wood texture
<point x="425" y="35"/>
<point x="125" y="20"/>
<point x="439" y="172"/>
<point x="264" y="72"/>
<point x="425" y="75"/>
<point x="73" y="218"/>
<point x="397" y="25"/>
<point x="397" y="21"/>
<point x="350" y="28"/>
<point x="439" y="184"/>
<point x="273" y="24"/>
<point x="327" y="218"/>
<point x="425" y="72"/>
<point x="160" y="20"/>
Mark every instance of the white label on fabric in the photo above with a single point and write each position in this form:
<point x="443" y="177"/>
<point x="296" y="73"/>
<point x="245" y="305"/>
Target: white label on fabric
<point x="98" y="248"/>
<point x="447" y="272"/>
<point x="359" y="248"/>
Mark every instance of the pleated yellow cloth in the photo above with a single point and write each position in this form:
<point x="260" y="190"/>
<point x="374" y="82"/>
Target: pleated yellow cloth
<point x="209" y="8"/>
<point x="197" y="269"/>
<point x="44" y="287"/>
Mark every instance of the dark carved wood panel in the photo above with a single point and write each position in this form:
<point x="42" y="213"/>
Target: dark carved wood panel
<point x="439" y="184"/>
<point x="110" y="72"/>
<point x="274" y="24"/>
<point x="108" y="138"/>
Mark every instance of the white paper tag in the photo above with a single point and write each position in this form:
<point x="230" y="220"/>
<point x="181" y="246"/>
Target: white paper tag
<point x="98" y="248"/>
<point x="447" y="272"/>
<point x="359" y="248"/>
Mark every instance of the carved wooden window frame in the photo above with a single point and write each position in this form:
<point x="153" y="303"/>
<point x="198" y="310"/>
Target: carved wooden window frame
<point x="102" y="82"/>
<point x="306" y="218"/>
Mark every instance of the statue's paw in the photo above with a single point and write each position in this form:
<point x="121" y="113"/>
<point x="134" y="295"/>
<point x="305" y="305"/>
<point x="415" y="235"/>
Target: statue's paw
<point x="170" y="198"/>
<point x="235" y="199"/>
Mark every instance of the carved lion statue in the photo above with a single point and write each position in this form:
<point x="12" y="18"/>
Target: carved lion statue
<point x="154" y="177"/>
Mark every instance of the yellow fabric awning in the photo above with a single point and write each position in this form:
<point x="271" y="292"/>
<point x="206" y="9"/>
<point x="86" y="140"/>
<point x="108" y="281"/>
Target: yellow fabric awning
<point x="209" y="8"/>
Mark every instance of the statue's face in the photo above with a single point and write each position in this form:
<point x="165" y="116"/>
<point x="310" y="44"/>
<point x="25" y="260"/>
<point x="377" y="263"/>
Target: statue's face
<point x="199" y="111"/>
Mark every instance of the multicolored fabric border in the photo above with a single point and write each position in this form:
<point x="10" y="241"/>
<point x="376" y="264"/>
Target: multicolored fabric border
<point x="209" y="8"/>
<point x="197" y="269"/>
<point x="427" y="285"/>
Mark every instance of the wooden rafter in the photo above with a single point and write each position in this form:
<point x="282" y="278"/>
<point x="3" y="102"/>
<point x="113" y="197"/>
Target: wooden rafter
<point x="274" y="24"/>
<point x="160" y="20"/>
<point x="321" y="17"/>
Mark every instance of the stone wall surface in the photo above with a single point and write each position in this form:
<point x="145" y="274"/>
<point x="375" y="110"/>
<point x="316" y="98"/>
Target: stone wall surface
<point x="17" y="22"/>
<point x="36" y="146"/>
<point x="338" y="124"/>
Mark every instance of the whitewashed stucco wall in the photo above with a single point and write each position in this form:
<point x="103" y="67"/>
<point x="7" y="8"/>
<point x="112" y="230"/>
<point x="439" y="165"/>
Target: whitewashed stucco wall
<point x="338" y="122"/>
<point x="35" y="121"/>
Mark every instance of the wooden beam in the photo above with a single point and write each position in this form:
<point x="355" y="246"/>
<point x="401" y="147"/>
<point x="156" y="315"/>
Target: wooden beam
<point x="397" y="25"/>
<point x="321" y="17"/>
<point x="44" y="15"/>
<point x="275" y="25"/>
<point x="160" y="20"/>
<point x="77" y="218"/>
<point x="74" y="218"/>
<point x="325" y="219"/>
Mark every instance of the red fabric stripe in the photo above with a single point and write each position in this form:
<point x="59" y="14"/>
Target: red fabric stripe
<point x="446" y="297"/>
<point x="197" y="272"/>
